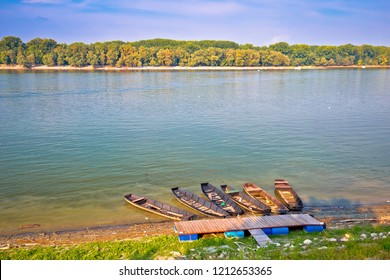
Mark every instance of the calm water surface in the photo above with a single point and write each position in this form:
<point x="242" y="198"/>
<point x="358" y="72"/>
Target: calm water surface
<point x="73" y="143"/>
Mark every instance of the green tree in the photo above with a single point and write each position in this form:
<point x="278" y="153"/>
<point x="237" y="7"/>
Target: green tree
<point x="60" y="52"/>
<point x="31" y="59"/>
<point x="347" y="55"/>
<point x="281" y="47"/>
<point x="327" y="52"/>
<point x="99" y="50"/>
<point x="367" y="54"/>
<point x="320" y="61"/>
<point x="21" y="58"/>
<point x="92" y="59"/>
<point x="9" y="46"/>
<point x="77" y="54"/>
<point x="190" y="47"/>
<point x="148" y="56"/>
<point x="40" y="47"/>
<point x="246" y="47"/>
<point x="204" y="44"/>
<point x="50" y="59"/>
<point x="301" y="54"/>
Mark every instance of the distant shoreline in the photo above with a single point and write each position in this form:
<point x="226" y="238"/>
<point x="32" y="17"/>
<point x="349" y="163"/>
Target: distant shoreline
<point x="184" y="68"/>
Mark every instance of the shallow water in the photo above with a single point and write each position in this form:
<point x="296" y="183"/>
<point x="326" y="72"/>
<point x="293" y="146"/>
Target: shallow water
<point x="73" y="143"/>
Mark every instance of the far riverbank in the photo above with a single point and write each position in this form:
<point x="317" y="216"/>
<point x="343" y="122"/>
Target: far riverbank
<point x="180" y="68"/>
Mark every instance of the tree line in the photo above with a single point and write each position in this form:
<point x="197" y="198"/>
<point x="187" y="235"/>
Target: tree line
<point x="165" y="52"/>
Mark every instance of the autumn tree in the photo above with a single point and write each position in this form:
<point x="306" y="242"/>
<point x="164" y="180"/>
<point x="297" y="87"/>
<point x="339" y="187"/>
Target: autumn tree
<point x="113" y="53"/>
<point x="166" y="52"/>
<point x="164" y="57"/>
<point x="274" y="58"/>
<point x="247" y="57"/>
<point x="128" y="56"/>
<point x="181" y="57"/>
<point x="230" y="58"/>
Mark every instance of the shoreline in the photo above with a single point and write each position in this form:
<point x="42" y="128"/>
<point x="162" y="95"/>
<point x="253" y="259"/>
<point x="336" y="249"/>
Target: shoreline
<point x="333" y="216"/>
<point x="186" y="68"/>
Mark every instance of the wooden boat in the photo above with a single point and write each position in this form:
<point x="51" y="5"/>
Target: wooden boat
<point x="221" y="199"/>
<point x="258" y="193"/>
<point x="156" y="207"/>
<point x="286" y="194"/>
<point x="245" y="201"/>
<point x="199" y="204"/>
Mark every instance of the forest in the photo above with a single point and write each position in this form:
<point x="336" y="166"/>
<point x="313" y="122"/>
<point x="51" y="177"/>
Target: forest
<point x="166" y="52"/>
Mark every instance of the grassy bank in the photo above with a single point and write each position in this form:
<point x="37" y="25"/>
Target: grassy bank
<point x="359" y="242"/>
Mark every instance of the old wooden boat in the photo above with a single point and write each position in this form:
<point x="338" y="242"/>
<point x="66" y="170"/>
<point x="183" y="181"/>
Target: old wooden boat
<point x="245" y="201"/>
<point x="199" y="204"/>
<point x="258" y="193"/>
<point x="286" y="194"/>
<point x="156" y="207"/>
<point x="221" y="199"/>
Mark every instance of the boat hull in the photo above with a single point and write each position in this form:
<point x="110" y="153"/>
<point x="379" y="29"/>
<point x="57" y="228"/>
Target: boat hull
<point x="159" y="208"/>
<point x="287" y="195"/>
<point x="245" y="201"/>
<point x="258" y="193"/>
<point x="221" y="199"/>
<point x="199" y="204"/>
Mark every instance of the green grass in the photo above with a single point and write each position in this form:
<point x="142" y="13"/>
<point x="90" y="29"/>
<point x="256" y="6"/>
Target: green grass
<point x="168" y="247"/>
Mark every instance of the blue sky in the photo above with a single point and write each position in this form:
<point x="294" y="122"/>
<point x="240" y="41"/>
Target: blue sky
<point x="259" y="22"/>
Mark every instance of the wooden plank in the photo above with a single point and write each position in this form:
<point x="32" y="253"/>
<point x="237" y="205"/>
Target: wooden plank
<point x="139" y="199"/>
<point x="232" y="224"/>
<point x="261" y="238"/>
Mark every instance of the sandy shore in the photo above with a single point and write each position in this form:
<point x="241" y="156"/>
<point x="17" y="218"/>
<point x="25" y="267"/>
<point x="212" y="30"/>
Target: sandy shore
<point x="333" y="216"/>
<point x="179" y="68"/>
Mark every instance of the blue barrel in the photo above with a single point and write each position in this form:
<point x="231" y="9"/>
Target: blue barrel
<point x="280" y="230"/>
<point x="267" y="231"/>
<point x="316" y="228"/>
<point x="234" y="234"/>
<point x="188" y="237"/>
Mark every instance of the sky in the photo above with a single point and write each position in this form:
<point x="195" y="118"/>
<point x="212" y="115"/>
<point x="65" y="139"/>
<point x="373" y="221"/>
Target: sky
<point x="257" y="22"/>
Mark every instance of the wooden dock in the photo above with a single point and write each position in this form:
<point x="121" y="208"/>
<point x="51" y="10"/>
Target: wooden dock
<point x="261" y="238"/>
<point x="249" y="223"/>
